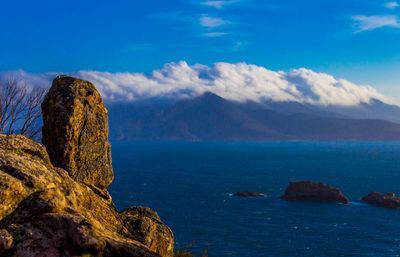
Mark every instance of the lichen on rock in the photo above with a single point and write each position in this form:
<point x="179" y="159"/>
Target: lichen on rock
<point x="147" y="228"/>
<point x="75" y="131"/>
<point x="47" y="205"/>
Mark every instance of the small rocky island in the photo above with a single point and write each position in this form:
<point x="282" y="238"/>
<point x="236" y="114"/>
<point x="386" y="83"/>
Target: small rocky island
<point x="54" y="199"/>
<point x="388" y="200"/>
<point x="249" y="194"/>
<point x="314" y="192"/>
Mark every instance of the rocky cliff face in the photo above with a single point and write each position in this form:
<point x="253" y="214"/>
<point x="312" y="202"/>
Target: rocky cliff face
<point x="50" y="206"/>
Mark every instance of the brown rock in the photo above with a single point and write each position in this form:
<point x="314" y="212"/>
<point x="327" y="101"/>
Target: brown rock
<point x="50" y="214"/>
<point x="250" y="194"/>
<point x="315" y="192"/>
<point x="75" y="131"/>
<point x="54" y="212"/>
<point x="147" y="228"/>
<point x="388" y="200"/>
<point x="6" y="241"/>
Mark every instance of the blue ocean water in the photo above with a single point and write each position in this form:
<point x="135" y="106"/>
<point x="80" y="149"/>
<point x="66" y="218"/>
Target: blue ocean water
<point x="190" y="185"/>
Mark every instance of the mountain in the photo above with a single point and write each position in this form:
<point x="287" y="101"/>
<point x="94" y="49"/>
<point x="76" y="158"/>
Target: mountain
<point x="210" y="117"/>
<point x="373" y="110"/>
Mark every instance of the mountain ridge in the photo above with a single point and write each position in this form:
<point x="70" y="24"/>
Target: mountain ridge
<point x="211" y="117"/>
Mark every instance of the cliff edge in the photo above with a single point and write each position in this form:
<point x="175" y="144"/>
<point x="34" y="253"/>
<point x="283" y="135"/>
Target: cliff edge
<point x="53" y="198"/>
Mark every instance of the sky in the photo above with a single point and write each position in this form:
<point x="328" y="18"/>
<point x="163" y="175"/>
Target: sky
<point x="355" y="40"/>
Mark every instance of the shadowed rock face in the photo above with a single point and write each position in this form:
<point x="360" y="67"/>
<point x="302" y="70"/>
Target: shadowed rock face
<point x="250" y="194"/>
<point x="315" y="192"/>
<point x="49" y="211"/>
<point x="75" y="131"/>
<point x="388" y="200"/>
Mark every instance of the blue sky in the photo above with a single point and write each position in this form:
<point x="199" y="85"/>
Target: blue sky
<point x="355" y="40"/>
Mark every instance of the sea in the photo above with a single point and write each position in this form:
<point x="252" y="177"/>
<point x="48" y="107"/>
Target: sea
<point x="191" y="186"/>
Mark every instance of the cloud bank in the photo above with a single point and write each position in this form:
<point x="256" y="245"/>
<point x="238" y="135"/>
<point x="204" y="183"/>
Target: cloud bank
<point x="238" y="82"/>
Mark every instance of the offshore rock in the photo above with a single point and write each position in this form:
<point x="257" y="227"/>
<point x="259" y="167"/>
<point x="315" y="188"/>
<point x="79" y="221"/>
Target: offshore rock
<point x="44" y="212"/>
<point x="315" y="192"/>
<point x="388" y="200"/>
<point x="250" y="194"/>
<point x="75" y="131"/>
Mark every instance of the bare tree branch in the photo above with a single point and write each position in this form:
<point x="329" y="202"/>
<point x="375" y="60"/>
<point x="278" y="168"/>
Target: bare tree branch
<point x="19" y="108"/>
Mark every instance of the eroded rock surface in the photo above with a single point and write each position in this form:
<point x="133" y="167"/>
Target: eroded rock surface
<point x="75" y="131"/>
<point x="6" y="241"/>
<point x="147" y="228"/>
<point x="49" y="211"/>
<point x="315" y="192"/>
<point x="388" y="200"/>
<point x="249" y="194"/>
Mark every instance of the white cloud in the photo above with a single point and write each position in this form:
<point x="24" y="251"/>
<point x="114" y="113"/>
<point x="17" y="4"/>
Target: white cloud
<point x="30" y="79"/>
<point x="215" y="34"/>
<point x="212" y="22"/>
<point x="239" y="82"/>
<point x="216" y="4"/>
<point x="392" y="5"/>
<point x="373" y="22"/>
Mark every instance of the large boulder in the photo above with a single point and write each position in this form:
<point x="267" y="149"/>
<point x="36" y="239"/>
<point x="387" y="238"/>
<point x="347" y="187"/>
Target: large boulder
<point x="75" y="131"/>
<point x="315" y="192"/>
<point x="388" y="200"/>
<point x="61" y="210"/>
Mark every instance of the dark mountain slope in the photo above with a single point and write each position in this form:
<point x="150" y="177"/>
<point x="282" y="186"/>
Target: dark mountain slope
<point x="208" y="117"/>
<point x="211" y="117"/>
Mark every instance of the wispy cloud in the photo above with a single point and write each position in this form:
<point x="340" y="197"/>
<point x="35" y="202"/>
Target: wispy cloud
<point x="215" y="34"/>
<point x="218" y="4"/>
<point x="212" y="22"/>
<point x="365" y="23"/>
<point x="392" y="5"/>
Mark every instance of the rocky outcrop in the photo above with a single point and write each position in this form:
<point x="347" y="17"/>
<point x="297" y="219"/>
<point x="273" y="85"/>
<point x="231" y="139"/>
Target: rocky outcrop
<point x="46" y="210"/>
<point x="146" y="226"/>
<point x="388" y="200"/>
<point x="249" y="194"/>
<point x="315" y="192"/>
<point x="75" y="131"/>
